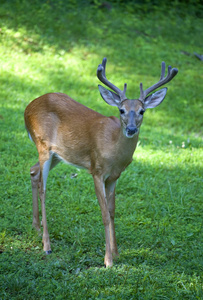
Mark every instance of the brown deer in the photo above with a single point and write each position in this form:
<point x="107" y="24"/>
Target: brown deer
<point x="63" y="129"/>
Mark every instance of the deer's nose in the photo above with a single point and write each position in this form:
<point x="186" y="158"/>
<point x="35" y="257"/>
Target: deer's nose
<point x="131" y="130"/>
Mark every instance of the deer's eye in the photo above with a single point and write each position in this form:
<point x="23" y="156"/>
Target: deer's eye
<point x="142" y="112"/>
<point x="122" y="111"/>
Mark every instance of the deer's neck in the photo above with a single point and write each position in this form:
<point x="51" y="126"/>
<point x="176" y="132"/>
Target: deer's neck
<point x="127" y="145"/>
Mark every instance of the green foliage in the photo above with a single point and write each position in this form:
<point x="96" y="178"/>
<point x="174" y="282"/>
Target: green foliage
<point x="55" y="46"/>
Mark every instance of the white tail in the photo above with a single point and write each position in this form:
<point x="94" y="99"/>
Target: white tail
<point x="63" y="129"/>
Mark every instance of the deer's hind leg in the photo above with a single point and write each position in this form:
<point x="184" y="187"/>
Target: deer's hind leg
<point x="46" y="164"/>
<point x="39" y="174"/>
<point x="35" y="181"/>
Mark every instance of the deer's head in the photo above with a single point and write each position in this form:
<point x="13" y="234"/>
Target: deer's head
<point x="131" y="111"/>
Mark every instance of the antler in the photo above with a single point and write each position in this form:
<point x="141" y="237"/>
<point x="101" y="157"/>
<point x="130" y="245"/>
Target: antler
<point x="162" y="81"/>
<point x="102" y="77"/>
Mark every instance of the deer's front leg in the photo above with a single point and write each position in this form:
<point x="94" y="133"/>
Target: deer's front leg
<point x="110" y="195"/>
<point x="101" y="195"/>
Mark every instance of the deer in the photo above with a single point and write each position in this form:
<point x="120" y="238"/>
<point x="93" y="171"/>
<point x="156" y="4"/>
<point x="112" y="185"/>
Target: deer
<point x="65" y="130"/>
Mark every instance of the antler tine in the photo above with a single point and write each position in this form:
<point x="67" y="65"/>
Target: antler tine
<point x="104" y="66"/>
<point x="163" y="67"/>
<point x="141" y="92"/>
<point x="171" y="73"/>
<point x="102" y="77"/>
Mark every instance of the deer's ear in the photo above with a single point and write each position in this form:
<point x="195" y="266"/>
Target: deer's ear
<point x="155" y="99"/>
<point x="110" y="97"/>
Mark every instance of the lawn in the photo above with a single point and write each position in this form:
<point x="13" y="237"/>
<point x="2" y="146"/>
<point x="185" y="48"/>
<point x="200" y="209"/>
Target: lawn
<point x="56" y="46"/>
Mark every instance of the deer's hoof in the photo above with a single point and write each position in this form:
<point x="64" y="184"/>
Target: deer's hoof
<point x="48" y="252"/>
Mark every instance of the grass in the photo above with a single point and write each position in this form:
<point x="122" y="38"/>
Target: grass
<point x="56" y="48"/>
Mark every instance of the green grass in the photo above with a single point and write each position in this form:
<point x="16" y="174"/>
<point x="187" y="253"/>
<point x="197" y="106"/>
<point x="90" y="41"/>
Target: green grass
<point x="49" y="47"/>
